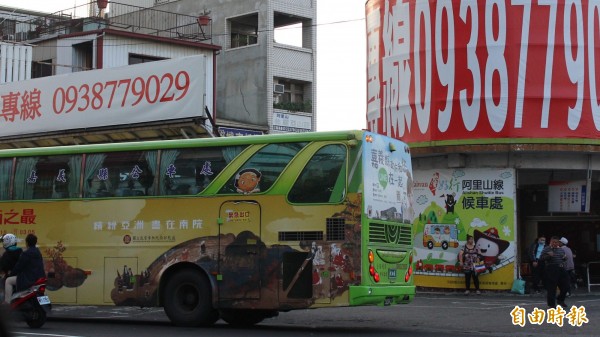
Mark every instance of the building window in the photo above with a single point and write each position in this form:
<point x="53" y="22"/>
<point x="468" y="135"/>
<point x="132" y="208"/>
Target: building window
<point x="83" y="56"/>
<point x="42" y="69"/>
<point x="244" y="30"/>
<point x="295" y="95"/>
<point x="8" y="30"/>
<point x="136" y="58"/>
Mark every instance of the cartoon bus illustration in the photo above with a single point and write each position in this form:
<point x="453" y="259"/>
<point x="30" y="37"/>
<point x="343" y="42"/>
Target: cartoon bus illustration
<point x="440" y="235"/>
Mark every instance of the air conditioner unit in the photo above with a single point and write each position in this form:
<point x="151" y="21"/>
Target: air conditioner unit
<point x="278" y="88"/>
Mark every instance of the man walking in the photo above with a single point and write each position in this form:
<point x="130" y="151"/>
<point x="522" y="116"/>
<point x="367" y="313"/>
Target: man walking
<point x="569" y="264"/>
<point x="555" y="274"/>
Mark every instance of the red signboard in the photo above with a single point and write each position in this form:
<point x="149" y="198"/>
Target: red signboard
<point x="451" y="70"/>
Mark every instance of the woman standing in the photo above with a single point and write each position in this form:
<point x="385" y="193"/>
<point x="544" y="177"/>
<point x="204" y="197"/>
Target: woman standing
<point x="468" y="257"/>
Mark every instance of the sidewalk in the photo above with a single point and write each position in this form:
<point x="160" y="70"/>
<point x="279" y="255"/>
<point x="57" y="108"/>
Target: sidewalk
<point x="579" y="292"/>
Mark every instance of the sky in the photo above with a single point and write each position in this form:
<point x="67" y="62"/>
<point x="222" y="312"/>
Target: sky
<point x="341" y="58"/>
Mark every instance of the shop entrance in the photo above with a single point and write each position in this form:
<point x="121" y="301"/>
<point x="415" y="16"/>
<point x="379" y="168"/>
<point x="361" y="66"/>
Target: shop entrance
<point x="583" y="236"/>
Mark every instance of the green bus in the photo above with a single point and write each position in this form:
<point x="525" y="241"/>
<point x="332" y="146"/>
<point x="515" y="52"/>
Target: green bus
<point x="237" y="228"/>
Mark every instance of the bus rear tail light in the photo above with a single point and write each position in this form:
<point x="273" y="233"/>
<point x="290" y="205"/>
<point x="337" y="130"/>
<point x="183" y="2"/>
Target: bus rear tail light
<point x="410" y="268"/>
<point x="408" y="274"/>
<point x="372" y="271"/>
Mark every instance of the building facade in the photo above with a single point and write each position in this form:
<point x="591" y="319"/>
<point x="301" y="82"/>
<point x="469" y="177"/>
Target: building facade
<point x="65" y="45"/>
<point x="500" y="109"/>
<point x="262" y="84"/>
<point x="256" y="84"/>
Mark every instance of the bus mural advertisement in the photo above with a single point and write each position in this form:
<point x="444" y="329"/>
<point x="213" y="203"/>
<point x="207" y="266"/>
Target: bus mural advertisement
<point x="237" y="228"/>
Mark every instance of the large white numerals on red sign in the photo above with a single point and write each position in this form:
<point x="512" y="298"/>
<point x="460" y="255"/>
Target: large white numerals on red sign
<point x="549" y="59"/>
<point x="422" y="99"/>
<point x="520" y="95"/>
<point x="575" y="62"/>
<point x="481" y="69"/>
<point x="496" y="65"/>
<point x="593" y="13"/>
<point x="470" y="112"/>
<point x="445" y="68"/>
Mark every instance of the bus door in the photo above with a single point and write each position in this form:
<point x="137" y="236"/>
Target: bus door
<point x="240" y="248"/>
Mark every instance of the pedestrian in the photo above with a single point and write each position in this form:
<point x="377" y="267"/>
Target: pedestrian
<point x="554" y="273"/>
<point x="469" y="257"/>
<point x="569" y="265"/>
<point x="11" y="253"/>
<point x="9" y="258"/>
<point x="537" y="265"/>
<point x="29" y="268"/>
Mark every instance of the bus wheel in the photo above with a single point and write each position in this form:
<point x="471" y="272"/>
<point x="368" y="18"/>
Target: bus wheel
<point x="241" y="318"/>
<point x="188" y="299"/>
<point x="429" y="244"/>
<point x="444" y="245"/>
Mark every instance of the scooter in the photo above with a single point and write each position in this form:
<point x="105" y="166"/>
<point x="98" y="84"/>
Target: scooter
<point x="32" y="304"/>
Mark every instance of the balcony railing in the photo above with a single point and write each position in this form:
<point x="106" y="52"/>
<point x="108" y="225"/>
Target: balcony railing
<point x="305" y="106"/>
<point x="157" y="22"/>
<point x="149" y="21"/>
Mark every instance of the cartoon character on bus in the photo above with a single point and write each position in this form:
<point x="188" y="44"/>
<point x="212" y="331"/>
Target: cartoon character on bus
<point x="247" y="180"/>
<point x="440" y="235"/>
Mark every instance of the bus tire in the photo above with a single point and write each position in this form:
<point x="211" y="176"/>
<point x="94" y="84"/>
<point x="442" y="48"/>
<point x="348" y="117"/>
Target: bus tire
<point x="188" y="299"/>
<point x="444" y="245"/>
<point x="245" y="317"/>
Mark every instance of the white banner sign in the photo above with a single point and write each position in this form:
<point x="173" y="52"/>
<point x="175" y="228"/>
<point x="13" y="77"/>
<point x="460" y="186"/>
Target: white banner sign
<point x="291" y="123"/>
<point x="568" y="196"/>
<point x="156" y="91"/>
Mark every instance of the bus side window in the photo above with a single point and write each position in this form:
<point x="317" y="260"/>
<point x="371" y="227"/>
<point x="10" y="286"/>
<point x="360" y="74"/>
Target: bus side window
<point x="47" y="177"/>
<point x="5" y="176"/>
<point x="93" y="166"/>
<point x="265" y="166"/>
<point x="25" y="178"/>
<point x="323" y="179"/>
<point x="57" y="177"/>
<point x="190" y="171"/>
<point x="119" y="174"/>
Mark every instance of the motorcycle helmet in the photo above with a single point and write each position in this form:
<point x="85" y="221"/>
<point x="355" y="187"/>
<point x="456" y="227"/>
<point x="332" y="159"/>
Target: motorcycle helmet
<point x="9" y="240"/>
